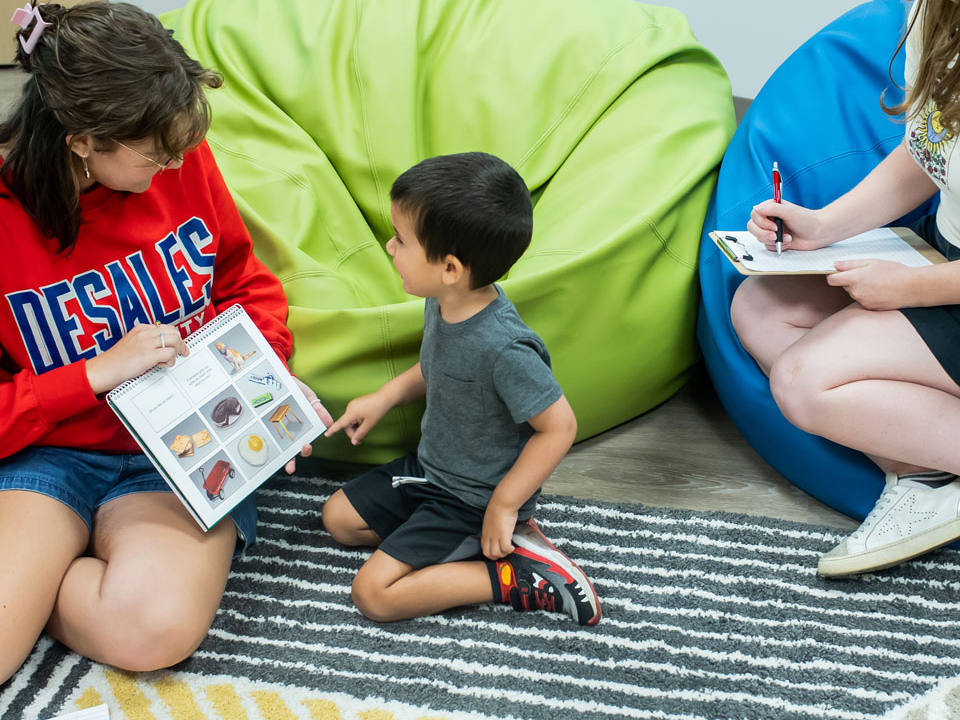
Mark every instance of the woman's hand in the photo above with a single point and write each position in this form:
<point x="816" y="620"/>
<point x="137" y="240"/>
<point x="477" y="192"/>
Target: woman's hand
<point x="876" y="284"/>
<point x="801" y="227"/>
<point x="325" y="418"/>
<point x="361" y="415"/>
<point x="144" y="347"/>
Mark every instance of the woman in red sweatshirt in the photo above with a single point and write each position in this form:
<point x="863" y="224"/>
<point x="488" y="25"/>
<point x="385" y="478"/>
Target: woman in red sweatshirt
<point x="120" y="238"/>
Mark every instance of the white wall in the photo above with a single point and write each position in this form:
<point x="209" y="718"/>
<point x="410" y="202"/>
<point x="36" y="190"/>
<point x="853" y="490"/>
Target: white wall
<point x="749" y="55"/>
<point x="158" y="6"/>
<point x="752" y="37"/>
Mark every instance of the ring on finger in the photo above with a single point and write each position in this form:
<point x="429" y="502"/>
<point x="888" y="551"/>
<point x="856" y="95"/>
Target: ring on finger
<point x="163" y="341"/>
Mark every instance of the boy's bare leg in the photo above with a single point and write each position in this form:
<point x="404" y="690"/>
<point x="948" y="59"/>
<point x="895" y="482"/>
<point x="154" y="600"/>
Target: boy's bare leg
<point x="39" y="538"/>
<point x="147" y="597"/>
<point x="344" y="523"/>
<point x="386" y="589"/>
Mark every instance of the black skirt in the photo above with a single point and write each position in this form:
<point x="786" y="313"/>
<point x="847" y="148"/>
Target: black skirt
<point x="939" y="326"/>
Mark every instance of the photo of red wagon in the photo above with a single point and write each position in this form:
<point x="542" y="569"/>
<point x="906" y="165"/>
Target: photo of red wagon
<point x="213" y="482"/>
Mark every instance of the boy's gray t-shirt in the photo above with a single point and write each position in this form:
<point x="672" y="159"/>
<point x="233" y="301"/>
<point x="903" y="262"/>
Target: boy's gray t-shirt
<point x="485" y="378"/>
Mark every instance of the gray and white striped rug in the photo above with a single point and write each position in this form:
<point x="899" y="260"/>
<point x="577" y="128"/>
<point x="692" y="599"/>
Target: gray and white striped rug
<point x="706" y="615"/>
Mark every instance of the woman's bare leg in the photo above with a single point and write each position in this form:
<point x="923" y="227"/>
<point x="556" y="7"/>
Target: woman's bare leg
<point x="769" y="314"/>
<point x="148" y="595"/>
<point x="867" y="380"/>
<point x="39" y="539"/>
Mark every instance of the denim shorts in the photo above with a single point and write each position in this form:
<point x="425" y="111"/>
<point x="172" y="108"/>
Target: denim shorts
<point x="939" y="326"/>
<point x="84" y="480"/>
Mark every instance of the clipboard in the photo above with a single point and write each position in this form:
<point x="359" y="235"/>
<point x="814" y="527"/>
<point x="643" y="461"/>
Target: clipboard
<point x="895" y="243"/>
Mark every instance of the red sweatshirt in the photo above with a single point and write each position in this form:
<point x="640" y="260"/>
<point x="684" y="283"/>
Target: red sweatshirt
<point x="177" y="253"/>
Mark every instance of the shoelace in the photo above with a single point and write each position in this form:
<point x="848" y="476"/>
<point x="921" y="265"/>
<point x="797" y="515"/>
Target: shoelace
<point x="885" y="499"/>
<point x="520" y="599"/>
<point x="545" y="600"/>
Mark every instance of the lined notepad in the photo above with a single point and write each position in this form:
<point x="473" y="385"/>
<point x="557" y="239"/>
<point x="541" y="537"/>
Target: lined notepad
<point x="881" y="244"/>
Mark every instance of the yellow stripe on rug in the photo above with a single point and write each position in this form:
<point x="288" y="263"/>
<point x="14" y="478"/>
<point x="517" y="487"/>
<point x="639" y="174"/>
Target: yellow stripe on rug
<point x="169" y="695"/>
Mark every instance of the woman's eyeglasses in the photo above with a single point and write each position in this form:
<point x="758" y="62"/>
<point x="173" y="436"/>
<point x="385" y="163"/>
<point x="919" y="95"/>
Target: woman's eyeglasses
<point x="162" y="165"/>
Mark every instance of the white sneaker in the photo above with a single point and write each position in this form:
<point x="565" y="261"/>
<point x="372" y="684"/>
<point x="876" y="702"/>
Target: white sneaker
<point x="909" y="519"/>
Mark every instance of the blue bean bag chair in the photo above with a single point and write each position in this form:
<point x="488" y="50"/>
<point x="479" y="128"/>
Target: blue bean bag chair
<point x="819" y="117"/>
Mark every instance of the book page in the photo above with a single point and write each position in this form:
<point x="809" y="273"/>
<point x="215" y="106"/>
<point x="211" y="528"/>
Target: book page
<point x="881" y="243"/>
<point x="222" y="420"/>
<point x="100" y="712"/>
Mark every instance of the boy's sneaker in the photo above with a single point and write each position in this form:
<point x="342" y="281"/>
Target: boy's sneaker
<point x="909" y="519"/>
<point x="537" y="576"/>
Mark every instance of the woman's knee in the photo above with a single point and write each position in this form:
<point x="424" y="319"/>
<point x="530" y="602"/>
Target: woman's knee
<point x="13" y="654"/>
<point x="155" y="630"/>
<point x="796" y="388"/>
<point x="746" y="312"/>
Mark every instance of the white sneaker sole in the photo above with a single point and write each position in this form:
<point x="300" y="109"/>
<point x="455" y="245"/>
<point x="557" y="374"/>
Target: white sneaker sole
<point x="892" y="554"/>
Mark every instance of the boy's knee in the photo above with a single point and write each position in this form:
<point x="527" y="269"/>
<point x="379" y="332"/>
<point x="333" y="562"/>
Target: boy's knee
<point x="332" y="516"/>
<point x="339" y="519"/>
<point x="371" y="599"/>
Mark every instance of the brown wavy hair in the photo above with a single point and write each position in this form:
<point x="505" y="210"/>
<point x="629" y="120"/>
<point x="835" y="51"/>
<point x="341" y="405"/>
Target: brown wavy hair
<point x="938" y="71"/>
<point x="104" y="69"/>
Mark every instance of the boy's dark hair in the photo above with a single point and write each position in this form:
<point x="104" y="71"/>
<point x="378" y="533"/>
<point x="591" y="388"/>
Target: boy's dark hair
<point x="473" y="206"/>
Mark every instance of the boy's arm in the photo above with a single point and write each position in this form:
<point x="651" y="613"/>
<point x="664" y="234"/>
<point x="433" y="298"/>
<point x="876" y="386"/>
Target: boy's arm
<point x="364" y="412"/>
<point x="554" y="432"/>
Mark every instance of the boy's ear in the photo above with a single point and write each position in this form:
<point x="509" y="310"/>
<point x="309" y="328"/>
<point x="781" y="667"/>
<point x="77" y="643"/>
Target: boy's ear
<point x="453" y="270"/>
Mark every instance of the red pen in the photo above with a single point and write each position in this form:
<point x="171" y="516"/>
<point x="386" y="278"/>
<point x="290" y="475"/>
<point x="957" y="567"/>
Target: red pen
<point x="777" y="197"/>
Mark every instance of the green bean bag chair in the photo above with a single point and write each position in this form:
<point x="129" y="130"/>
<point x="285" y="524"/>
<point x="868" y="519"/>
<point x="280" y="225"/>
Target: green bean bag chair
<point x="610" y="110"/>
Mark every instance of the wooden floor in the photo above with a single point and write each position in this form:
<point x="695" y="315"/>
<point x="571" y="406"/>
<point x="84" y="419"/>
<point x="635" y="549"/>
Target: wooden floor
<point x="684" y="454"/>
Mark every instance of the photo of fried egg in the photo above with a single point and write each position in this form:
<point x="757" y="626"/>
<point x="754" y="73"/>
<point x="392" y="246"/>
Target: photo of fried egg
<point x="253" y="450"/>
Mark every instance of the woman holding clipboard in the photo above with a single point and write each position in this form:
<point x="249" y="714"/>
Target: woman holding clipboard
<point x="872" y="359"/>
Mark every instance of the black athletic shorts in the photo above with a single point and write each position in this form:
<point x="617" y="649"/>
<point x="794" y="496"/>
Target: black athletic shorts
<point x="419" y="523"/>
<point x="939" y="326"/>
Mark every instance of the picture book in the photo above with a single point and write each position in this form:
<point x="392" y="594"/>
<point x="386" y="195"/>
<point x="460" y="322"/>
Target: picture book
<point x="100" y="712"/>
<point x="751" y="257"/>
<point x="222" y="420"/>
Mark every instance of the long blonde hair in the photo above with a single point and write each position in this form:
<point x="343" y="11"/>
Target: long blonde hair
<point x="938" y="69"/>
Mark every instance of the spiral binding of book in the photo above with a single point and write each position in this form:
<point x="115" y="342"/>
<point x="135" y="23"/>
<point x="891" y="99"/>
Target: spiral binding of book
<point x="195" y="338"/>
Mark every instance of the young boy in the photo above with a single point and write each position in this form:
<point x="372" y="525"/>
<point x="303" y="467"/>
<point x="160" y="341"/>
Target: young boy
<point x="496" y="423"/>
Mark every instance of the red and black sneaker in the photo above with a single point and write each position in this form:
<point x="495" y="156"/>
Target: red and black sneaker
<point x="537" y="576"/>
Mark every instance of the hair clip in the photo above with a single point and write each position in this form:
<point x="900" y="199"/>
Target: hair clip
<point x="22" y="17"/>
